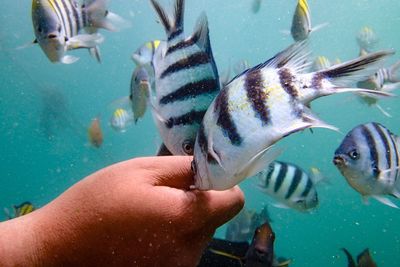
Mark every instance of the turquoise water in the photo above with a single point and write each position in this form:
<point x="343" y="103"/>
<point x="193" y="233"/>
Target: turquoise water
<point x="37" y="169"/>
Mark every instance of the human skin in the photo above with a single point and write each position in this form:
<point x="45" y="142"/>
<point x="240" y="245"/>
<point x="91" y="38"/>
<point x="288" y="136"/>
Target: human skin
<point x="135" y="213"/>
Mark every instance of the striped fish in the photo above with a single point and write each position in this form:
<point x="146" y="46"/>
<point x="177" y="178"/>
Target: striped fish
<point x="186" y="80"/>
<point x="58" y="26"/>
<point x="321" y="63"/>
<point x="367" y="39"/>
<point x="140" y="90"/>
<point x="144" y="55"/>
<point x="289" y="185"/>
<point x="301" y="22"/>
<point x="121" y="119"/>
<point x="20" y="210"/>
<point x="369" y="159"/>
<point x="263" y="105"/>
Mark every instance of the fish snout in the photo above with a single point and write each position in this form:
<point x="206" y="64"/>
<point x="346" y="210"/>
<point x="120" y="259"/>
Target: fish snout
<point x="338" y="160"/>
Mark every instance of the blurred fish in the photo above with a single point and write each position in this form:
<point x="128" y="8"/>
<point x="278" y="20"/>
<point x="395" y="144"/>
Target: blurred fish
<point x="121" y="119"/>
<point x="95" y="133"/>
<point x="321" y="63"/>
<point x="261" y="250"/>
<point x="369" y="159"/>
<point x="263" y="105"/>
<point x="240" y="66"/>
<point x="186" y="80"/>
<point x="58" y="24"/>
<point x="367" y="39"/>
<point x="290" y="185"/>
<point x="144" y="55"/>
<point x="241" y="228"/>
<point x="384" y="80"/>
<point x="140" y="90"/>
<point x="364" y="259"/>
<point x="20" y="210"/>
<point x="301" y="23"/>
<point x="256" y="6"/>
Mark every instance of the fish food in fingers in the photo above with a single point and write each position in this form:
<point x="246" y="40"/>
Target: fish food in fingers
<point x="263" y="105"/>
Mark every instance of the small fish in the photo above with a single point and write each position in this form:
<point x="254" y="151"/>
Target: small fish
<point x="369" y="159"/>
<point x="367" y="39"/>
<point x="301" y="23"/>
<point x="186" y="80"/>
<point x="261" y="250"/>
<point x="58" y="26"/>
<point x="290" y="185"/>
<point x="121" y="119"/>
<point x="364" y="259"/>
<point x="321" y="63"/>
<point x="144" y="55"/>
<point x="256" y="6"/>
<point x="140" y="90"/>
<point x="263" y="105"/>
<point x="20" y="210"/>
<point x="95" y="133"/>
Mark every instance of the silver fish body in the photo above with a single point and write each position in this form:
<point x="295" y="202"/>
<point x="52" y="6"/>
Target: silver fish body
<point x="301" y="22"/>
<point x="289" y="185"/>
<point x="186" y="81"/>
<point x="121" y="119"/>
<point x="140" y="91"/>
<point x="262" y="106"/>
<point x="369" y="159"/>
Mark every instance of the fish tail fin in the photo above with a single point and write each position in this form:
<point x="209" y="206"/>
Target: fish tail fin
<point x="99" y="17"/>
<point x="172" y="25"/>
<point x="350" y="259"/>
<point x="95" y="53"/>
<point x="344" y="75"/>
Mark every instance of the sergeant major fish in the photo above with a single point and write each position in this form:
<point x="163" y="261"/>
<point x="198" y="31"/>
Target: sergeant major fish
<point x="58" y="23"/>
<point x="20" y="210"/>
<point x="301" y="22"/>
<point x="186" y="80"/>
<point x="290" y="186"/>
<point x="263" y="105"/>
<point x="120" y="119"/>
<point x="367" y="39"/>
<point x="369" y="159"/>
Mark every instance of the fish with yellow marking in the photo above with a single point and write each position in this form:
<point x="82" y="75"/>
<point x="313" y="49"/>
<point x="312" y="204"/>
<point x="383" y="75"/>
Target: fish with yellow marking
<point x="121" y="119"/>
<point x="58" y="26"/>
<point x="321" y="63"/>
<point x="233" y="144"/>
<point x="20" y="210"/>
<point x="367" y="39"/>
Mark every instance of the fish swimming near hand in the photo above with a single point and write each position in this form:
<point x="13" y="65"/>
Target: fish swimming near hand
<point x="263" y="105"/>
<point x="58" y="26"/>
<point x="301" y="22"/>
<point x="20" y="210"/>
<point x="290" y="185"/>
<point x="95" y="134"/>
<point x="367" y="39"/>
<point x="186" y="80"/>
<point x="364" y="259"/>
<point x="369" y="159"/>
<point x="140" y="91"/>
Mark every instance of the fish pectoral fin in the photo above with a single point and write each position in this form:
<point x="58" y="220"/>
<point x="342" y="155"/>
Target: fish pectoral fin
<point x="386" y="201"/>
<point x="259" y="162"/>
<point x="319" y="27"/>
<point x="95" y="53"/>
<point x="84" y="41"/>
<point x="68" y="59"/>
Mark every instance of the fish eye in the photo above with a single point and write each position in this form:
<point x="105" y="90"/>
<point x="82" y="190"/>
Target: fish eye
<point x="52" y="36"/>
<point x="188" y="147"/>
<point x="354" y="154"/>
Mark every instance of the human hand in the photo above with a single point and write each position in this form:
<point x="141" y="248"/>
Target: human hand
<point x="139" y="212"/>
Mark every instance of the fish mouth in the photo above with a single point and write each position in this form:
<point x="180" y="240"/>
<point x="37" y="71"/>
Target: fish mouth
<point x="338" y="160"/>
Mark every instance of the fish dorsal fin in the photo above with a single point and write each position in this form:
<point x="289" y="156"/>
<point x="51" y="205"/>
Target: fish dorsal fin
<point x="201" y="32"/>
<point x="294" y="57"/>
<point x="350" y="259"/>
<point x="173" y="26"/>
<point x="258" y="162"/>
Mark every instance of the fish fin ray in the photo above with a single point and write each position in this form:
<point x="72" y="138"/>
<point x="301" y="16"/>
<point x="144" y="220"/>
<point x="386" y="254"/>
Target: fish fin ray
<point x="319" y="27"/>
<point x="316" y="122"/>
<point x="95" y="53"/>
<point x="174" y="24"/>
<point x="384" y="112"/>
<point x="386" y="201"/>
<point x="84" y="41"/>
<point x="350" y="260"/>
<point x="201" y="32"/>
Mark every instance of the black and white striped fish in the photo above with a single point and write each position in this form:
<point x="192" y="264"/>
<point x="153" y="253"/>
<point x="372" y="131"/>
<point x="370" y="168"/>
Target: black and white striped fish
<point x="58" y="26"/>
<point x="263" y="105"/>
<point x="369" y="159"/>
<point x="186" y="80"/>
<point x="290" y="185"/>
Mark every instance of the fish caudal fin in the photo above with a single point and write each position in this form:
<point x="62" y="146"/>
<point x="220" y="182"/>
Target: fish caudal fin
<point x="350" y="260"/>
<point x="99" y="17"/>
<point x="355" y="70"/>
<point x="172" y="25"/>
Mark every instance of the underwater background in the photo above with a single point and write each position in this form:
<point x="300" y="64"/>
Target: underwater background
<point x="46" y="109"/>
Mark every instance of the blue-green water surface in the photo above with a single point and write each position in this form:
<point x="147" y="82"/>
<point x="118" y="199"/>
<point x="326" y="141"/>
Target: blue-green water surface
<point x="37" y="169"/>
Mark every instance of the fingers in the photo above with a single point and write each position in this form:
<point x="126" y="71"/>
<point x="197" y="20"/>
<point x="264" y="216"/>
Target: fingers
<point x="171" y="171"/>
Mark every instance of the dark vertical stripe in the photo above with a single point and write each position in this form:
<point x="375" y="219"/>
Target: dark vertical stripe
<point x="307" y="190"/>
<point x="385" y="144"/>
<point x="268" y="177"/>
<point x="174" y="34"/>
<point x="373" y="153"/>
<point x="192" y="61"/>
<point x="76" y="17"/>
<point x="68" y="13"/>
<point x="294" y="183"/>
<point x="281" y="176"/>
<point x="189" y="118"/>
<point x="286" y="79"/>
<point x="254" y="85"/>
<point x="181" y="45"/>
<point x="225" y="120"/>
<point x="191" y="90"/>
<point x="60" y="13"/>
